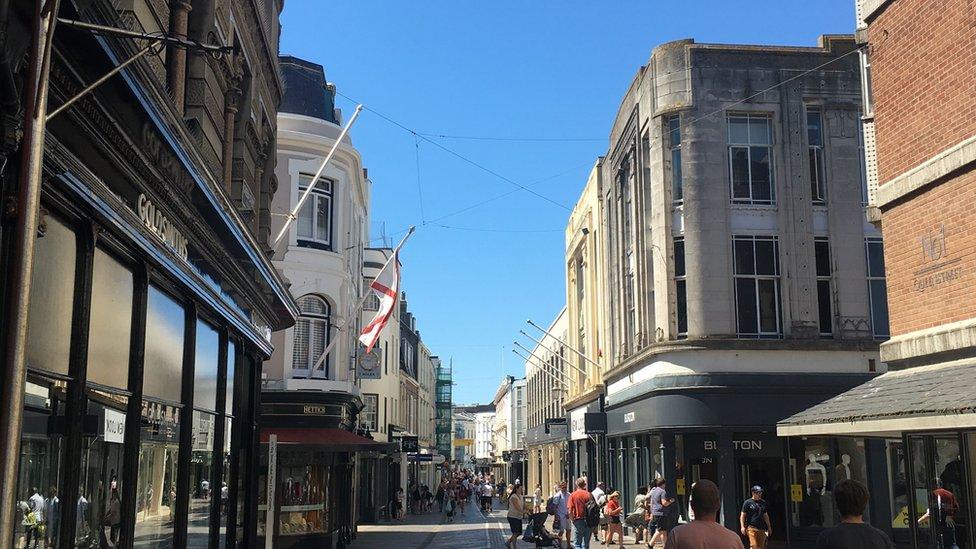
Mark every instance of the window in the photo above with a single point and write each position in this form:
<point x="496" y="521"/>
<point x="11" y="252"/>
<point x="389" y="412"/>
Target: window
<point x="580" y="270"/>
<point x="861" y="155"/>
<point x="821" y="248"/>
<point x="674" y="141"/>
<point x="817" y="464"/>
<point x="628" y="258"/>
<point x="315" y="217"/>
<point x="311" y="337"/>
<point x="750" y="159"/>
<point x="815" y="150"/>
<point x="681" y="295"/>
<point x="52" y="298"/>
<point x="867" y="90"/>
<point x="877" y="288"/>
<point x="756" y="277"/>
<point x="370" y="412"/>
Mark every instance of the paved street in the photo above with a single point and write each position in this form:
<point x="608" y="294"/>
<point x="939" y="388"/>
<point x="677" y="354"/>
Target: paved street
<point x="431" y="531"/>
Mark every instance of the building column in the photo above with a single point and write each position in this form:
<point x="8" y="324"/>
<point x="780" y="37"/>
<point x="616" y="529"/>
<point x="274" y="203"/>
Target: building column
<point x="179" y="16"/>
<point x="231" y="98"/>
<point x="726" y="480"/>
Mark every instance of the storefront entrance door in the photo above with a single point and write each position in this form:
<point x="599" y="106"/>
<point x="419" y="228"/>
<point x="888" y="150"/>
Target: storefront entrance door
<point x="939" y="492"/>
<point x="768" y="473"/>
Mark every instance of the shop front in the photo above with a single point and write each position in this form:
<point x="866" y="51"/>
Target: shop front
<point x="723" y="429"/>
<point x="308" y="468"/>
<point x="546" y="449"/>
<point x="921" y="421"/>
<point x="587" y="442"/>
<point x="150" y="315"/>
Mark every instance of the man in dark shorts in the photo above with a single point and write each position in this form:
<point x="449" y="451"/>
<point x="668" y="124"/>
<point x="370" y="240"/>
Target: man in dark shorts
<point x="754" y="519"/>
<point x="851" y="497"/>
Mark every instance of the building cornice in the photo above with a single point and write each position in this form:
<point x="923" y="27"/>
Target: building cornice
<point x="927" y="173"/>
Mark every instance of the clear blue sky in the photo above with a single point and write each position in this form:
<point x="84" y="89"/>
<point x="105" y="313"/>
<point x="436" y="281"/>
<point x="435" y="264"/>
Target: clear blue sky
<point x="513" y="69"/>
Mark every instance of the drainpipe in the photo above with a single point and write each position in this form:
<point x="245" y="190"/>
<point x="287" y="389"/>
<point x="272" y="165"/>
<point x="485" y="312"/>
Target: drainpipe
<point x="23" y="236"/>
<point x="176" y="56"/>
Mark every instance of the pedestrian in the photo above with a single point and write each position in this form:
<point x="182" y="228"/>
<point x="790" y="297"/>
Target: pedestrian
<point x="578" y="501"/>
<point x="440" y="497"/>
<point x="487" y="493"/>
<point x="516" y="513"/>
<point x="113" y="517"/>
<point x="941" y="514"/>
<point x="754" y="519"/>
<point x="851" y="497"/>
<point x="658" y="525"/>
<point x="37" y="508"/>
<point x="613" y="512"/>
<point x="52" y="506"/>
<point x="704" y="532"/>
<point x="537" y="499"/>
<point x="636" y="519"/>
<point x="398" y="504"/>
<point x="562" y="523"/>
<point x="600" y="496"/>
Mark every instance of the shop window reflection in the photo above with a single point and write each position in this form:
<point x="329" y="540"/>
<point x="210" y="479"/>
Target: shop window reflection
<point x="940" y="491"/>
<point x="898" y="485"/>
<point x="52" y="296"/>
<point x="110" y="329"/>
<point x="817" y="464"/>
<point x="99" y="505"/>
<point x="202" y="489"/>
<point x="42" y="439"/>
<point x="156" y="490"/>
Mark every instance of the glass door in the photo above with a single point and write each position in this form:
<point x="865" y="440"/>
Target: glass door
<point x="939" y="494"/>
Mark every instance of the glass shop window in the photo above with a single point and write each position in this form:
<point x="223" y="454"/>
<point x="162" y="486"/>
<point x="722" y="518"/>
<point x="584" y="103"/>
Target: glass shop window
<point x="156" y="490"/>
<point x="41" y="456"/>
<point x="163" y="372"/>
<point x="110" y="328"/>
<point x="202" y="488"/>
<point x="898" y="484"/>
<point x="100" y="519"/>
<point x="817" y="464"/>
<point x="205" y="368"/>
<point x="52" y="299"/>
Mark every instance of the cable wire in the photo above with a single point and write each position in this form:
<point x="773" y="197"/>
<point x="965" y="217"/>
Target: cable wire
<point x="420" y="187"/>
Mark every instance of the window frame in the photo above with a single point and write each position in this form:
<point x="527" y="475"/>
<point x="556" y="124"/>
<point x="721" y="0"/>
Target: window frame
<point x="319" y="193"/>
<point x="757" y="279"/>
<point x="875" y="278"/>
<point x="767" y="118"/>
<point x="364" y="422"/>
<point x="310" y="318"/>
<point x="824" y="278"/>
<point x="816" y="156"/>
<point x="680" y="288"/>
<point x="673" y="129"/>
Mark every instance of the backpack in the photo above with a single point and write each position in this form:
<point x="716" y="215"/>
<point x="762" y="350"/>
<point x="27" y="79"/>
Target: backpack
<point x="552" y="506"/>
<point x="592" y="513"/>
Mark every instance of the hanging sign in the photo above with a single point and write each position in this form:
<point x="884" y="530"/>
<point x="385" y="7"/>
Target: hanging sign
<point x="369" y="365"/>
<point x="114" y="426"/>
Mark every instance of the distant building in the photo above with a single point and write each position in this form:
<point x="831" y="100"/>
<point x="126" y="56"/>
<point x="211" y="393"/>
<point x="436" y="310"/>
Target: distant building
<point x="484" y="444"/>
<point x="546" y="386"/>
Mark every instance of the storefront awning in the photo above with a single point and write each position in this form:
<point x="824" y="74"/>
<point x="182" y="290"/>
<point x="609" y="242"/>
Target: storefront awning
<point x="337" y="440"/>
<point x="924" y="398"/>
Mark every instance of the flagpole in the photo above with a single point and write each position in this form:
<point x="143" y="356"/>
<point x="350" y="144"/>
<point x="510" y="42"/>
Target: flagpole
<point x="293" y="215"/>
<point x="359" y="307"/>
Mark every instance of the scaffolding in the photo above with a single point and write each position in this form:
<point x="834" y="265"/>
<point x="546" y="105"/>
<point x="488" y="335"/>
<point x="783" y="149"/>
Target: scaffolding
<point x="444" y="406"/>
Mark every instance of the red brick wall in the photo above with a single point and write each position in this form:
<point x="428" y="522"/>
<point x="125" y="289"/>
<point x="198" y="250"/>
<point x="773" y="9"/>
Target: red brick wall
<point x="934" y="283"/>
<point x="923" y="58"/>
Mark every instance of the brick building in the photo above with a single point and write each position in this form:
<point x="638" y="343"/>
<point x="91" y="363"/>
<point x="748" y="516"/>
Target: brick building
<point x="920" y="63"/>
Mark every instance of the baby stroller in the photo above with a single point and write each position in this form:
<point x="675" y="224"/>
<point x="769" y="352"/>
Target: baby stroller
<point x="537" y="533"/>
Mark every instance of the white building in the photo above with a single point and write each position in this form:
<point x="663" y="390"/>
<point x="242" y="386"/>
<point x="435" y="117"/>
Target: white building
<point x="484" y="433"/>
<point x="380" y="387"/>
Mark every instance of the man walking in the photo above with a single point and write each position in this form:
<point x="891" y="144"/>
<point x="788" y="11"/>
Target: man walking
<point x="577" y="512"/>
<point x="754" y="519"/>
<point x="565" y="525"/>
<point x="851" y="497"/>
<point x="704" y="532"/>
<point x="600" y="496"/>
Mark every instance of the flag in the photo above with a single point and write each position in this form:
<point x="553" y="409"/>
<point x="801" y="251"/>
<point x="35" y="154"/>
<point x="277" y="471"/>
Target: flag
<point x="386" y="287"/>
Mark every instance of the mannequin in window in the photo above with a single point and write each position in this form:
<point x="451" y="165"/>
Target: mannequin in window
<point x="843" y="470"/>
<point x="816" y="475"/>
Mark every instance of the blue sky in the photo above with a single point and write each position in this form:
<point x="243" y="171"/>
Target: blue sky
<point x="524" y="70"/>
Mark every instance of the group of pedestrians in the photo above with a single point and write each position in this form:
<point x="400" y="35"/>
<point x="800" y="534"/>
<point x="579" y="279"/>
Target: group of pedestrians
<point x="581" y="515"/>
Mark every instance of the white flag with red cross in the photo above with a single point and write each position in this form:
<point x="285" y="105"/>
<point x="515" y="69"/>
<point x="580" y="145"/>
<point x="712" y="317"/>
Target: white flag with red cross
<point x="386" y="287"/>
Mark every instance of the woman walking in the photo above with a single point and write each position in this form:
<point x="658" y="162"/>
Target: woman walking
<point x="613" y="512"/>
<point x="516" y="512"/>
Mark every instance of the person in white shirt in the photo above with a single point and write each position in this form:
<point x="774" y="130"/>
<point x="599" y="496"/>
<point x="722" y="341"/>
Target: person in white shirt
<point x="600" y="496"/>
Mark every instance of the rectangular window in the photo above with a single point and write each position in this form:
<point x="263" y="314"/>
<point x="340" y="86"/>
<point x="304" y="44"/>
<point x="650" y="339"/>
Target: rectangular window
<point x="52" y="299"/>
<point x="815" y="152"/>
<point x="867" y="90"/>
<point x="674" y="142"/>
<point x="861" y="152"/>
<point x="750" y="140"/>
<point x="681" y="296"/>
<point x="756" y="278"/>
<point x="824" y="296"/>
<point x="315" y="217"/>
<point x="370" y="411"/>
<point x="877" y="287"/>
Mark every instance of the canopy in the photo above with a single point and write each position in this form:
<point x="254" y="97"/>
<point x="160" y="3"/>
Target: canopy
<point x="338" y="440"/>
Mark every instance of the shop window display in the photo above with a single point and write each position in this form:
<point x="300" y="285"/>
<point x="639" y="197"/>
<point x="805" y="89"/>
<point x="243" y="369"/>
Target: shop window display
<point x="41" y="447"/>
<point x="156" y="490"/>
<point x="817" y="464"/>
<point x="202" y="488"/>
<point x="304" y="481"/>
<point x="99" y="505"/>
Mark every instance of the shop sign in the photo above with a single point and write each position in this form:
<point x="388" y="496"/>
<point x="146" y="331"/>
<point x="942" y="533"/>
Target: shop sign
<point x="313" y="410"/>
<point x="629" y="417"/>
<point x="409" y="444"/>
<point x="595" y="423"/>
<point x="114" y="426"/>
<point x="161" y="226"/>
<point x="577" y="424"/>
<point x="679" y="487"/>
<point x="796" y="493"/>
<point x="938" y="269"/>
<point x="368" y="364"/>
